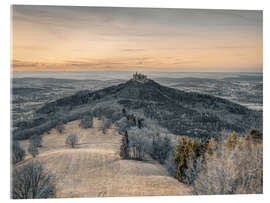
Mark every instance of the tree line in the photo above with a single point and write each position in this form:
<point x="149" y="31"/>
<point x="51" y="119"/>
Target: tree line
<point x="191" y="161"/>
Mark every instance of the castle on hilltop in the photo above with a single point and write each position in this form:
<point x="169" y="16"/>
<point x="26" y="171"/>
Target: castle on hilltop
<point x="139" y="77"/>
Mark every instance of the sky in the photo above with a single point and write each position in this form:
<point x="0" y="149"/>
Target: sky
<point x="60" y="38"/>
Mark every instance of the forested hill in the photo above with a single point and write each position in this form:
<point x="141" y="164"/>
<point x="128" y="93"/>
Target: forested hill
<point x="182" y="113"/>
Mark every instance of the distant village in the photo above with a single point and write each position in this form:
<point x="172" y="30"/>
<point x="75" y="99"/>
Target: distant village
<point x="140" y="77"/>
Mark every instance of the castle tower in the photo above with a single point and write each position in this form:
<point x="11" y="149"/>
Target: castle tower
<point x="139" y="77"/>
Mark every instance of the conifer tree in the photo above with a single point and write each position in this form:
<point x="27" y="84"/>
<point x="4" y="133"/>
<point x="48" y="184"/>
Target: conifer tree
<point x="124" y="149"/>
<point x="187" y="154"/>
<point x="232" y="141"/>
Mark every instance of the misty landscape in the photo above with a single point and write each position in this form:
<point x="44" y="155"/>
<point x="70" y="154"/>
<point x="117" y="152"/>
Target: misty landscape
<point x="122" y="102"/>
<point x="154" y="114"/>
<point x="31" y="91"/>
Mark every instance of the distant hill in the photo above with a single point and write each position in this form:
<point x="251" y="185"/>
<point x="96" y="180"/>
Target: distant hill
<point x="182" y="113"/>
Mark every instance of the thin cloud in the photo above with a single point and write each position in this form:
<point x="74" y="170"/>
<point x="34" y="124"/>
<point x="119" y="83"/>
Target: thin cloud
<point x="18" y="63"/>
<point x="133" y="50"/>
<point x="186" y="62"/>
<point x="234" y="47"/>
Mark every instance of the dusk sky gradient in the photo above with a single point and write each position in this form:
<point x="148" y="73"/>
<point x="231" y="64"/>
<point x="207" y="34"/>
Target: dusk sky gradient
<point x="58" y="38"/>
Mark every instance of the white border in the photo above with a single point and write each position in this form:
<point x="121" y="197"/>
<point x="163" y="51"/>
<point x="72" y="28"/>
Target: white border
<point x="205" y="4"/>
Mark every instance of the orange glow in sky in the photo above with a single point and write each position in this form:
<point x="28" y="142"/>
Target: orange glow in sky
<point x="55" y="38"/>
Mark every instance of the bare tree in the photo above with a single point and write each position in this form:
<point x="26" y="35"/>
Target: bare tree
<point x="72" y="140"/>
<point x="18" y="152"/>
<point x="32" y="182"/>
<point x="33" y="149"/>
<point x="36" y="140"/>
<point x="106" y="123"/>
<point x="116" y="116"/>
<point x="140" y="142"/>
<point x="237" y="170"/>
<point x="86" y="122"/>
<point x="122" y="125"/>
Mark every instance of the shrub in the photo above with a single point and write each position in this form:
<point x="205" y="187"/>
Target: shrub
<point x="36" y="140"/>
<point x="72" y="140"/>
<point x="33" y="149"/>
<point x="122" y="125"/>
<point x="32" y="182"/>
<point x="170" y="165"/>
<point x="60" y="128"/>
<point x="161" y="148"/>
<point x="254" y="136"/>
<point x="116" y="116"/>
<point x="212" y="146"/>
<point x="18" y="152"/>
<point x="232" y="141"/>
<point x="86" y="122"/>
<point x="132" y="119"/>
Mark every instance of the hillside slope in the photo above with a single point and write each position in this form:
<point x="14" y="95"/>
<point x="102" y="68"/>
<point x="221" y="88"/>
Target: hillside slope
<point x="95" y="169"/>
<point x="182" y="113"/>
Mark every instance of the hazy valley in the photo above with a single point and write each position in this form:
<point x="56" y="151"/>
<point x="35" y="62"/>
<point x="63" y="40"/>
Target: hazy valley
<point x="136" y="129"/>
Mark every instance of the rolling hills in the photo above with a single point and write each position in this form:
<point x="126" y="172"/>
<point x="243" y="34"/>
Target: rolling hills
<point x="181" y="113"/>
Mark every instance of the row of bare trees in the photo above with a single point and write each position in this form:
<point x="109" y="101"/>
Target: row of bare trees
<point x="18" y="153"/>
<point x="230" y="165"/>
<point x="137" y="143"/>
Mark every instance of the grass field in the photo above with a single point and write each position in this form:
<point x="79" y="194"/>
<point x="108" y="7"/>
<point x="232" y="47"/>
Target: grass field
<point x="94" y="168"/>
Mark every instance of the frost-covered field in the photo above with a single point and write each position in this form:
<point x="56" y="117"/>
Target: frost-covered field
<point x="94" y="168"/>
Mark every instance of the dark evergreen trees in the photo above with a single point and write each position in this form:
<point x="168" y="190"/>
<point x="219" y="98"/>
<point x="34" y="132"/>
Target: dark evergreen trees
<point x="188" y="154"/>
<point x="124" y="149"/>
